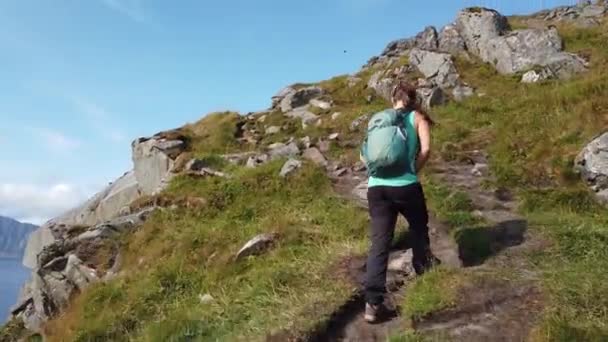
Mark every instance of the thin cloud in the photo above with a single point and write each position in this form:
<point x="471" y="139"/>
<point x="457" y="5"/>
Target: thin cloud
<point x="36" y="203"/>
<point x="131" y="8"/>
<point x="55" y="140"/>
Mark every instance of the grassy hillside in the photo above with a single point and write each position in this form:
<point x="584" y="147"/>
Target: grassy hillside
<point x="532" y="133"/>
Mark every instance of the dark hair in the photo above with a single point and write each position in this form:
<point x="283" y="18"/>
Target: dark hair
<point x="406" y="92"/>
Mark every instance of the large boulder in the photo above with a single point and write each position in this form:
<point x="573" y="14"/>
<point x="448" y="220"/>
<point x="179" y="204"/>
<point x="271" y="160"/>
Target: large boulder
<point x="592" y="164"/>
<point x="477" y="26"/>
<point x="107" y="204"/>
<point x="438" y="67"/>
<point x="450" y="41"/>
<point x="522" y="50"/>
<point x="153" y="160"/>
<point x="298" y="98"/>
<point x="427" y="39"/>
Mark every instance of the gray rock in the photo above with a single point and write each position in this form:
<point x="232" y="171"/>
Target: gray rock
<point x="290" y="166"/>
<point x="273" y="130"/>
<point x="593" y="11"/>
<point x="534" y="76"/>
<point x="477" y="26"/>
<point x="335" y="115"/>
<point x="460" y="93"/>
<point x="592" y="164"/>
<point x="339" y="173"/>
<point x="396" y="47"/>
<point x="358" y="122"/>
<point x="524" y="49"/>
<point x="438" y="67"/>
<point x="304" y="114"/>
<point x="360" y="194"/>
<point x="314" y="155"/>
<point x="278" y="97"/>
<point x="324" y="146"/>
<point x="305" y="142"/>
<point x="431" y="97"/>
<point x="450" y="41"/>
<point x="153" y="162"/>
<point x="280" y="150"/>
<point x="400" y="261"/>
<point x="79" y="274"/>
<point x="238" y="158"/>
<point x="256" y="246"/>
<point x="480" y="169"/>
<point x="299" y="98"/>
<point x="39" y="239"/>
<point x="427" y="39"/>
<point x="333" y="136"/>
<point x="257" y="160"/>
<point x="320" y="104"/>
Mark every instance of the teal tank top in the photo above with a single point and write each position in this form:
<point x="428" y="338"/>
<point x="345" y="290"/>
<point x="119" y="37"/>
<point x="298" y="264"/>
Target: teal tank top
<point x="412" y="142"/>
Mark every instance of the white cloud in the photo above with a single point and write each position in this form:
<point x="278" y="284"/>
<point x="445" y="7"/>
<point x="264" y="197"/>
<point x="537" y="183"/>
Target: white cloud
<point x="56" y="141"/>
<point x="38" y="203"/>
<point x="131" y="8"/>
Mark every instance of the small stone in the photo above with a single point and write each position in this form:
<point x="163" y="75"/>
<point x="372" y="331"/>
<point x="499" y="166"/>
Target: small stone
<point x="334" y="136"/>
<point x="359" y="167"/>
<point x="273" y="130"/>
<point x="400" y="261"/>
<point x="339" y="172"/>
<point x="257" y="160"/>
<point x="290" y="166"/>
<point x="256" y="246"/>
<point x="314" y="155"/>
<point x="320" y="104"/>
<point x="262" y="118"/>
<point x="305" y="142"/>
<point x="335" y="115"/>
<point x="324" y="146"/>
<point x="206" y="298"/>
<point x="479" y="170"/>
<point x="462" y="92"/>
<point x="369" y="98"/>
<point x="319" y="122"/>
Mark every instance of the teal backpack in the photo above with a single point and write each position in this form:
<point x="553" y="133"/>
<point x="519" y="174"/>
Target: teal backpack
<point x="385" y="150"/>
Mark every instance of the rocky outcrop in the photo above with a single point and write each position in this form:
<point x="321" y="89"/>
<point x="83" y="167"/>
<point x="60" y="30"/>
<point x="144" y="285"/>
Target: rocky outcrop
<point x="584" y="14"/>
<point x="153" y="160"/>
<point x="477" y="26"/>
<point x="290" y="98"/>
<point x="437" y="67"/>
<point x="486" y="34"/>
<point x="450" y="41"/>
<point x="522" y="50"/>
<point x="64" y="267"/>
<point x="592" y="164"/>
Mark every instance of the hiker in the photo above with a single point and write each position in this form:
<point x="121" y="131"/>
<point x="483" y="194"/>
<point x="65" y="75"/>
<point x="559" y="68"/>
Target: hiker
<point x="396" y="148"/>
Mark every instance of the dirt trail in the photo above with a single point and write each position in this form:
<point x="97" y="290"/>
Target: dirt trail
<point x="490" y="310"/>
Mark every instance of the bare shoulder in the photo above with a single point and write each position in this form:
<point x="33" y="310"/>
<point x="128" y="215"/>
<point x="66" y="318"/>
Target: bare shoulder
<point x="418" y="118"/>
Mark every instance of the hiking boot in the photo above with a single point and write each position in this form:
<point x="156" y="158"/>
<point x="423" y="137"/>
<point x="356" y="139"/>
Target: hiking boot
<point x="425" y="265"/>
<point x="371" y="312"/>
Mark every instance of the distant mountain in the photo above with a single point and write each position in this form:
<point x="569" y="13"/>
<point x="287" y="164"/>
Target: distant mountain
<point x="13" y="237"/>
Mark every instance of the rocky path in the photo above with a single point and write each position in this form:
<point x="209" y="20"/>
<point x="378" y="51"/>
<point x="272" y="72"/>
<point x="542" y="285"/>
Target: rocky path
<point x="490" y="309"/>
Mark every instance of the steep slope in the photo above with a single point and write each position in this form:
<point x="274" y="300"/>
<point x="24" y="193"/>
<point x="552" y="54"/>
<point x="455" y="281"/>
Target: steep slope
<point x="503" y="185"/>
<point x="13" y="237"/>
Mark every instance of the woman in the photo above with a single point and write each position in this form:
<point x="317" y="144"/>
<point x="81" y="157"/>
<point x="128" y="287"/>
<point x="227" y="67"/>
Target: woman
<point x="388" y="197"/>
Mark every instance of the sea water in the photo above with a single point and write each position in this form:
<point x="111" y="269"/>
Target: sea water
<point x="12" y="277"/>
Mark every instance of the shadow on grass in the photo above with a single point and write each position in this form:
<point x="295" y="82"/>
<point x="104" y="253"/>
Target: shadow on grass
<point x="476" y="245"/>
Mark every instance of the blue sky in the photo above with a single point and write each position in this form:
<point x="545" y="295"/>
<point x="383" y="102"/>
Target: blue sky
<point x="82" y="79"/>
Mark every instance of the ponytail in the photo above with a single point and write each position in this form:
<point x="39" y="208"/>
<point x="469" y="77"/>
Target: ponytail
<point x="406" y="92"/>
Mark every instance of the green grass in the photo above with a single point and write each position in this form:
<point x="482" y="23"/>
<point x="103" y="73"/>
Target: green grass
<point x="179" y="255"/>
<point x="532" y="134"/>
<point x="434" y="291"/>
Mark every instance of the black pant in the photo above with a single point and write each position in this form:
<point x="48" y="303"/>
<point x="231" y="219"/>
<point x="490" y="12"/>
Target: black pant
<point x="385" y="203"/>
